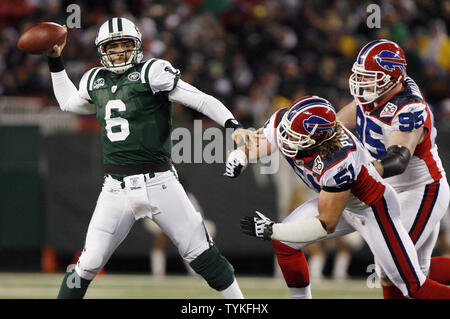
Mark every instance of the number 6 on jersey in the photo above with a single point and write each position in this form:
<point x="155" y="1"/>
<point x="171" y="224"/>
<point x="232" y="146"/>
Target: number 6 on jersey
<point x="118" y="135"/>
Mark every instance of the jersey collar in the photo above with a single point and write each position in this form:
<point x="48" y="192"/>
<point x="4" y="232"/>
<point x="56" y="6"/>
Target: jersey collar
<point x="305" y="158"/>
<point x="385" y="100"/>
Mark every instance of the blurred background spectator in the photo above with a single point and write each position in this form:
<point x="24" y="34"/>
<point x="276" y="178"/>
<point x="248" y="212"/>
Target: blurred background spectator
<point x="244" y="52"/>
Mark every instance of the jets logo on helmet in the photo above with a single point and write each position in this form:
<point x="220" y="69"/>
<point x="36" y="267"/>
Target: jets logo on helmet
<point x="116" y="29"/>
<point x="309" y="122"/>
<point x="379" y="67"/>
<point x="389" y="61"/>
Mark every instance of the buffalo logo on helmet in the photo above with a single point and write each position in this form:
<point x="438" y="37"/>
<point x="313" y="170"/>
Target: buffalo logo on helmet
<point x="323" y="126"/>
<point x="310" y="121"/>
<point x="389" y="61"/>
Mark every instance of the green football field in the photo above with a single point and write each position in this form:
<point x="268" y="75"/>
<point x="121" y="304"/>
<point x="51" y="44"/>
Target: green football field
<point x="119" y="286"/>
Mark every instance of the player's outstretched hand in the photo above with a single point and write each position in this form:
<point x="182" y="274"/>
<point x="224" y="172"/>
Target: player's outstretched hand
<point x="236" y="162"/>
<point x="258" y="226"/>
<point x="242" y="135"/>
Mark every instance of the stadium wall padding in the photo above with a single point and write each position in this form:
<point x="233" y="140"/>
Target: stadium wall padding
<point x="21" y="210"/>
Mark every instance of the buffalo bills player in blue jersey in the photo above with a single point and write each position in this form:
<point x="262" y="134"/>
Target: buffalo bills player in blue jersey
<point x="396" y="125"/>
<point x="352" y="196"/>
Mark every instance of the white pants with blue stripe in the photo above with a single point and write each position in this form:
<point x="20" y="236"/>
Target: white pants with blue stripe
<point x="383" y="231"/>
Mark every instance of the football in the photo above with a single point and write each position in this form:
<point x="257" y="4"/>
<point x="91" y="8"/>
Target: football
<point x="41" y="37"/>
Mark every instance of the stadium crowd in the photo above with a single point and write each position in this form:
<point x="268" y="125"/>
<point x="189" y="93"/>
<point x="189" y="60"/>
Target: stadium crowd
<point x="252" y="55"/>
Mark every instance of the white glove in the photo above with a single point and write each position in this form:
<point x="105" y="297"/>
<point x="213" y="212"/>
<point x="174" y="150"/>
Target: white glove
<point x="260" y="226"/>
<point x="236" y="162"/>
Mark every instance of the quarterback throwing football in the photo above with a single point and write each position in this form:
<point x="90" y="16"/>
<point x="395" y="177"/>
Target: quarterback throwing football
<point x="132" y="100"/>
<point x="352" y="196"/>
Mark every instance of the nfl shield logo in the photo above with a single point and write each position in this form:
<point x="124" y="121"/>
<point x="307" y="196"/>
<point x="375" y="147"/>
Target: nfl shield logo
<point x="318" y="165"/>
<point x="134" y="181"/>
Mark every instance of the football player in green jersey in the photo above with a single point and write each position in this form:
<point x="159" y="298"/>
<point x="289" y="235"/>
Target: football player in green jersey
<point x="132" y="100"/>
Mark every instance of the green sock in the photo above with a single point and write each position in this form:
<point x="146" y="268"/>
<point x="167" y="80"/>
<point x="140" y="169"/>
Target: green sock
<point x="73" y="286"/>
<point x="214" y="268"/>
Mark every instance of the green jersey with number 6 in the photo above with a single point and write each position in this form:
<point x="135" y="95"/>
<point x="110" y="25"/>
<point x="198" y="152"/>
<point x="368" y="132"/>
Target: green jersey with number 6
<point x="134" y="111"/>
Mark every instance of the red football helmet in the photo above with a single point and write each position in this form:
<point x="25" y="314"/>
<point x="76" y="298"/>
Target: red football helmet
<point x="379" y="67"/>
<point x="309" y="122"/>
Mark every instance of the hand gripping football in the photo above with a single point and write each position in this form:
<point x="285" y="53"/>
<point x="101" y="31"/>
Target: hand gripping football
<point x="41" y="37"/>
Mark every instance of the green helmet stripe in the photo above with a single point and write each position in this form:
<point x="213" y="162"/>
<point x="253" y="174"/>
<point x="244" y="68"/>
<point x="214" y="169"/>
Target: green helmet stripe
<point x="110" y="26"/>
<point x="119" y="24"/>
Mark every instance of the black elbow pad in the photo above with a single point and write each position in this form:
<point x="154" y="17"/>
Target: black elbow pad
<point x="395" y="161"/>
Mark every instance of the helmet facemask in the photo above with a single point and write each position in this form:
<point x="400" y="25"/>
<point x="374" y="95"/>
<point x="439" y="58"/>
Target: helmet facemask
<point x="106" y="60"/>
<point x="119" y="29"/>
<point x="291" y="142"/>
<point x="369" y="85"/>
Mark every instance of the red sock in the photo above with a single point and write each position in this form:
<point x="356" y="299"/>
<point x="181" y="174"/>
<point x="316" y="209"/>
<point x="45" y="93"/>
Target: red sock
<point x="432" y="290"/>
<point x="392" y="292"/>
<point x="440" y="270"/>
<point x="293" y="265"/>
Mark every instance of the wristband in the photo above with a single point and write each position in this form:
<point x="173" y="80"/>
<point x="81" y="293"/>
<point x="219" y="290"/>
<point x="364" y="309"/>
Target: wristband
<point x="232" y="123"/>
<point x="55" y="64"/>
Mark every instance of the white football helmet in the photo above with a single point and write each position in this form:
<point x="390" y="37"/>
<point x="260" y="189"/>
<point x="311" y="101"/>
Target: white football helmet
<point x="119" y="29"/>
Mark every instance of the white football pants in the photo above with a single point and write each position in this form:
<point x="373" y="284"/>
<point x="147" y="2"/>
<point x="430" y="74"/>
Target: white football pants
<point x="382" y="229"/>
<point x="422" y="209"/>
<point x="113" y="218"/>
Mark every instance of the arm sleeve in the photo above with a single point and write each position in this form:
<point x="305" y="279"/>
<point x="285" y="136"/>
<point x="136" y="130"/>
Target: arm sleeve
<point x="302" y="230"/>
<point x="67" y="95"/>
<point x="190" y="96"/>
